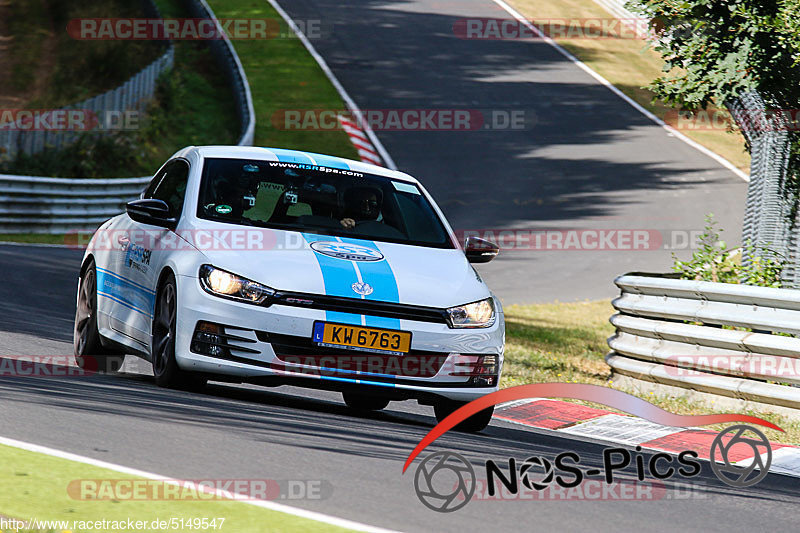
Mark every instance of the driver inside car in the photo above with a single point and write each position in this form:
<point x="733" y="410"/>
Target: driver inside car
<point x="232" y="196"/>
<point x="361" y="204"/>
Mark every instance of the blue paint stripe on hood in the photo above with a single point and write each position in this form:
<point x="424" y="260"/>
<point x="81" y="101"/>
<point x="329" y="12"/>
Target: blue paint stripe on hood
<point x="338" y="277"/>
<point x="380" y="276"/>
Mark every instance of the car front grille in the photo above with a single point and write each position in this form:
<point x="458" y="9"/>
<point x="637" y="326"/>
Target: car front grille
<point x="359" y="306"/>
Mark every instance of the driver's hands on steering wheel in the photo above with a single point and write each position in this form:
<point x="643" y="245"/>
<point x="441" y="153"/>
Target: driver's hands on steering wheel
<point x="348" y="223"/>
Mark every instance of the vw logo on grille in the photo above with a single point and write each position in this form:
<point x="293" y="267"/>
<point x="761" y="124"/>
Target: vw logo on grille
<point x="342" y="250"/>
<point x="364" y="289"/>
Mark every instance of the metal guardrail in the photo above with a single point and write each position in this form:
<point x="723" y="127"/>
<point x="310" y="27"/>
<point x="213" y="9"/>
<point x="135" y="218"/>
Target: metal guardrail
<point x="30" y="204"/>
<point x="59" y="205"/>
<point x="681" y="333"/>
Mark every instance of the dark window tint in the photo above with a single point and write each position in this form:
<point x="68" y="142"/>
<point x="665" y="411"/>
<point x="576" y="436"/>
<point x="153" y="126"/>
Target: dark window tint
<point x="317" y="199"/>
<point x="170" y="186"/>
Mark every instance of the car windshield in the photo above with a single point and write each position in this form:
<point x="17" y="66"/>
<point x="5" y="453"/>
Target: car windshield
<point x="318" y="199"/>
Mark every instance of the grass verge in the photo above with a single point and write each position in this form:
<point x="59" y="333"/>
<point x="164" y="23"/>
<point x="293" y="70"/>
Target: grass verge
<point x="35" y="238"/>
<point x="566" y="342"/>
<point x="51" y="69"/>
<point x="34" y="485"/>
<point x="283" y="76"/>
<point x="629" y="65"/>
<point x="192" y="106"/>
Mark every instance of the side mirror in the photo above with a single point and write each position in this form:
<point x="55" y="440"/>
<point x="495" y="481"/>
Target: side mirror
<point x="151" y="211"/>
<point x="480" y="250"/>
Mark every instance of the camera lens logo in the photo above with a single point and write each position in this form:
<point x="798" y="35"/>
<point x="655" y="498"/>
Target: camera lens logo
<point x="536" y="462"/>
<point x="444" y="482"/>
<point x="740" y="476"/>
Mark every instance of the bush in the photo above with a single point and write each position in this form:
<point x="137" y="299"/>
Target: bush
<point x="715" y="262"/>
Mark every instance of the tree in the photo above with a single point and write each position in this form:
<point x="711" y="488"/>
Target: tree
<point x="744" y="54"/>
<point x="716" y="50"/>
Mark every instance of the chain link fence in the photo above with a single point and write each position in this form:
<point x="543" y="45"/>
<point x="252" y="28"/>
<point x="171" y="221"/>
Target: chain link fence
<point x="768" y="225"/>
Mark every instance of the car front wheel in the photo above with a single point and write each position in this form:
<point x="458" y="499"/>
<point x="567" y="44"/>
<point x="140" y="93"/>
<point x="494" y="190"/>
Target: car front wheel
<point x="165" y="367"/>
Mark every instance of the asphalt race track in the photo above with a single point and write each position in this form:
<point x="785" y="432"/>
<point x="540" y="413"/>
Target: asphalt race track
<point x="585" y="159"/>
<point x="241" y="432"/>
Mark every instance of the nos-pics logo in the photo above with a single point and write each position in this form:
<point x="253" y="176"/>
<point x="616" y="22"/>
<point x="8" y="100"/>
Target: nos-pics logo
<point x="446" y="481"/>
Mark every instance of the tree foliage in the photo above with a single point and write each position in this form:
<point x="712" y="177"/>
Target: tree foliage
<point x="715" y="50"/>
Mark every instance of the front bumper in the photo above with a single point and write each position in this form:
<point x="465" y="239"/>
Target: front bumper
<point x="272" y="346"/>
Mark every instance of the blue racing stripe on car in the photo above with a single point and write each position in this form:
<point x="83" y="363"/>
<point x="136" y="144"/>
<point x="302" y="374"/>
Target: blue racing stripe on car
<point x="380" y="276"/>
<point x="126" y="292"/>
<point x="330" y="161"/>
<point x="123" y="303"/>
<point x="126" y="280"/>
<point x="359" y="381"/>
<point x="291" y="156"/>
<point x="338" y="276"/>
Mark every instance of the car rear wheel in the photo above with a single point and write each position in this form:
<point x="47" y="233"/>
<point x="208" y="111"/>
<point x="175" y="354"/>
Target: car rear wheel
<point x="87" y="348"/>
<point x="165" y="367"/>
<point x="473" y="424"/>
<point x="364" y="402"/>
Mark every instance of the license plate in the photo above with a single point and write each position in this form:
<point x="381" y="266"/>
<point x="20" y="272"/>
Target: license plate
<point x="361" y="338"/>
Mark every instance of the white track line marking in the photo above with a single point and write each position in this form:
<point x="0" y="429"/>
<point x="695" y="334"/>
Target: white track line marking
<point x="351" y="105"/>
<point x="716" y="157"/>
<point x="272" y="506"/>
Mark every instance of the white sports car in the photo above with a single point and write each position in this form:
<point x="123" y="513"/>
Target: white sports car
<point x="282" y="267"/>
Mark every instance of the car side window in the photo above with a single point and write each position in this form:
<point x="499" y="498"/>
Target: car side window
<point x="170" y="186"/>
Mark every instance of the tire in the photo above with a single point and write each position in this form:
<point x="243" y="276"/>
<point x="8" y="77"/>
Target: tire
<point x="165" y="367"/>
<point x="364" y="402"/>
<point x="473" y="424"/>
<point x="87" y="348"/>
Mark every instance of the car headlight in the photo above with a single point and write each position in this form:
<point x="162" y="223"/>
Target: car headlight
<point x="475" y="315"/>
<point x="222" y="283"/>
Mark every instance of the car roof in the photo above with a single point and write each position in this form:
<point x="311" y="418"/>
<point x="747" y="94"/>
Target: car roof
<point x="293" y="156"/>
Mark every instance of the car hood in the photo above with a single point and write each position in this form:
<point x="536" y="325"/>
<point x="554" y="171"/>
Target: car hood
<point x="352" y="268"/>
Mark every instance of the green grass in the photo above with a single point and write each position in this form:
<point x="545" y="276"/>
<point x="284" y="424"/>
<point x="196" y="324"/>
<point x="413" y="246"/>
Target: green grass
<point x="283" y="75"/>
<point x="37" y="238"/>
<point x="194" y="106"/>
<point x="566" y="342"/>
<point x="54" y="69"/>
<point x="34" y="485"/>
<point x="28" y="27"/>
